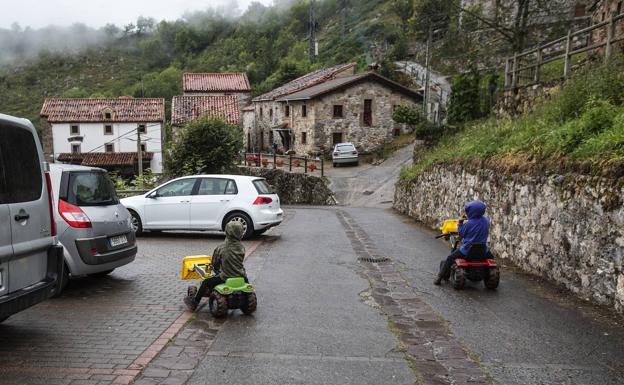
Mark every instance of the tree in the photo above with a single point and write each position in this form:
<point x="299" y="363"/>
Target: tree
<point x="407" y="115"/>
<point x="404" y="9"/>
<point x="465" y="102"/>
<point x="205" y="146"/>
<point x="145" y="25"/>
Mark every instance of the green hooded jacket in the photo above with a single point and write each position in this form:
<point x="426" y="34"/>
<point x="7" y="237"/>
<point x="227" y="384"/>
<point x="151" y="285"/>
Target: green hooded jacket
<point x="228" y="257"/>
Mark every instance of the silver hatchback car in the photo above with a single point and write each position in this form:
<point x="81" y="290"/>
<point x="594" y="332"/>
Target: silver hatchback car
<point x="93" y="227"/>
<point x="345" y="153"/>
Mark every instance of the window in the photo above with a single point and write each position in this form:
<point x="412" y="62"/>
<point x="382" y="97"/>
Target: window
<point x="368" y="112"/>
<point x="260" y="111"/>
<point x="91" y="189"/>
<point x="304" y="138"/>
<point x="271" y="113"/>
<point x="109" y="147"/>
<point x="108" y="116"/>
<point x="271" y="137"/>
<point x="217" y="186"/>
<point x="74" y="129"/>
<point x="108" y="129"/>
<point x="143" y="147"/>
<point x="287" y="110"/>
<point x="75" y="148"/>
<point x="579" y="10"/>
<point x="619" y="8"/>
<point x="336" y="138"/>
<point x="337" y="111"/>
<point x="396" y="132"/>
<point x="142" y="128"/>
<point x="263" y="187"/>
<point x="177" y="188"/>
<point x="304" y="111"/>
<point x="20" y="170"/>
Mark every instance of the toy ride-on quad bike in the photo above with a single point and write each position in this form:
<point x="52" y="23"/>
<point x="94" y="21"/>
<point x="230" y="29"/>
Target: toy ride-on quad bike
<point x="476" y="266"/>
<point x="235" y="293"/>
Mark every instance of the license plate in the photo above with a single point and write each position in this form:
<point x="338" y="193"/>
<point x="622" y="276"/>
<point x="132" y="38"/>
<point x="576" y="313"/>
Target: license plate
<point x="118" y="240"/>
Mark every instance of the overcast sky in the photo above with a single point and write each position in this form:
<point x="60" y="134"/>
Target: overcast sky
<point x="96" y="13"/>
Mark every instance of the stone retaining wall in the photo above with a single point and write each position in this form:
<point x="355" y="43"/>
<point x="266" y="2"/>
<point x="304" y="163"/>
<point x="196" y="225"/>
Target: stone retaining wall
<point x="295" y="188"/>
<point x="567" y="228"/>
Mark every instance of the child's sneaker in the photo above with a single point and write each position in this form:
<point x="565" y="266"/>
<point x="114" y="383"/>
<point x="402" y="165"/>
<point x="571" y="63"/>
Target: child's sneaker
<point x="190" y="303"/>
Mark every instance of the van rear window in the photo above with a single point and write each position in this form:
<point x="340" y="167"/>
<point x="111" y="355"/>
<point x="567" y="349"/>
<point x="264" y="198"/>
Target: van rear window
<point x="20" y="166"/>
<point x="91" y="189"/>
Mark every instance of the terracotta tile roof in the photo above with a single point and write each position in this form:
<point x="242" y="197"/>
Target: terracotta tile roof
<point x="347" y="81"/>
<point x="308" y="80"/>
<point x="100" y="159"/>
<point x="186" y="108"/>
<point x="248" y="108"/>
<point x="216" y="82"/>
<point x="124" y="109"/>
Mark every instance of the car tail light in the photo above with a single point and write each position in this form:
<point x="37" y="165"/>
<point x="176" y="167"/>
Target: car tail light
<point x="335" y="154"/>
<point x="50" y="204"/>
<point x="73" y="215"/>
<point x="354" y="152"/>
<point x="262" y="201"/>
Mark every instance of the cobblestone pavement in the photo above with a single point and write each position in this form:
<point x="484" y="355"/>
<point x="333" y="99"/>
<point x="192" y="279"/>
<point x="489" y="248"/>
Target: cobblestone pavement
<point x="104" y="330"/>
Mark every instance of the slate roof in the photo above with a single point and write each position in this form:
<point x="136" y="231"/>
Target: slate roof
<point x="305" y="81"/>
<point x="187" y="108"/>
<point x="343" y="82"/>
<point x="216" y="82"/>
<point x="99" y="159"/>
<point x="123" y="109"/>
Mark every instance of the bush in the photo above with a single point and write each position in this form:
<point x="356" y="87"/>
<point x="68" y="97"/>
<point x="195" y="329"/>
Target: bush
<point x="205" y="146"/>
<point x="408" y="115"/>
<point x="465" y="102"/>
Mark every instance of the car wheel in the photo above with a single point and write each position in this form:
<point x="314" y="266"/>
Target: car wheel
<point x="335" y="165"/>
<point x="101" y="273"/>
<point x="244" y="220"/>
<point x="249" y="304"/>
<point x="218" y="305"/>
<point x="135" y="222"/>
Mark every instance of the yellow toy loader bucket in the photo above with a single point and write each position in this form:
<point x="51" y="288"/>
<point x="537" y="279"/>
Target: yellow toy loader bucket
<point x="449" y="226"/>
<point x="189" y="263"/>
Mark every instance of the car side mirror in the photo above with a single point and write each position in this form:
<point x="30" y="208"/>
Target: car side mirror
<point x="153" y="195"/>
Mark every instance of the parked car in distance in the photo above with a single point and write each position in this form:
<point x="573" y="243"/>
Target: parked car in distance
<point x="31" y="262"/>
<point x="94" y="228"/>
<point x="207" y="202"/>
<point x="344" y="153"/>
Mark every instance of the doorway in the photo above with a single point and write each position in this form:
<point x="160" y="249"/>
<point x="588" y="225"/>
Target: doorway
<point x="336" y="138"/>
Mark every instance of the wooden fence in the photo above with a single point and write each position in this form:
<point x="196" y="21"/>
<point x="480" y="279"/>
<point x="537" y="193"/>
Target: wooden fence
<point x="286" y="162"/>
<point x="526" y="67"/>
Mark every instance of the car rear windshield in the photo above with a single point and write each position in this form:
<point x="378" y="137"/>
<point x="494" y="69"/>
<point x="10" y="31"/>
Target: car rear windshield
<point x="91" y="189"/>
<point x="262" y="186"/>
<point x="346" y="147"/>
<point x="20" y="167"/>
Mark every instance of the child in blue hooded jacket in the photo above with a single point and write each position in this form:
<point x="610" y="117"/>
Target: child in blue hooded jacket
<point x="473" y="228"/>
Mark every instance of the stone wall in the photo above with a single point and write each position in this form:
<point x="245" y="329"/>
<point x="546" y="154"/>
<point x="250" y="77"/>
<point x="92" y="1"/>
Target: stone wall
<point x="567" y="228"/>
<point x="293" y="188"/>
<point x="513" y="102"/>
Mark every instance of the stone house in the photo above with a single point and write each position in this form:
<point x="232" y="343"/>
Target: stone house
<point x="218" y="84"/>
<point x="356" y="108"/>
<point x="104" y="132"/>
<point x="602" y="11"/>
<point x="268" y="115"/>
<point x="187" y="108"/>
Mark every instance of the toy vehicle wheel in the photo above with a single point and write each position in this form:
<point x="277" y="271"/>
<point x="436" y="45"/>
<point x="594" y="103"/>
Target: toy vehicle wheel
<point x="218" y="305"/>
<point x="191" y="291"/>
<point x="453" y="242"/>
<point x="458" y="277"/>
<point x="492" y="280"/>
<point x="137" y="225"/>
<point x="249" y="304"/>
<point x="446" y="276"/>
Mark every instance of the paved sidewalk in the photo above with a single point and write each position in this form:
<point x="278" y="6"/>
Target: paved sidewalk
<point x="104" y="330"/>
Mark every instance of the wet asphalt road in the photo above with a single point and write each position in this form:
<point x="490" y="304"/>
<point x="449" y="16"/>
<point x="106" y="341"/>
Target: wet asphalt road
<point x="315" y="324"/>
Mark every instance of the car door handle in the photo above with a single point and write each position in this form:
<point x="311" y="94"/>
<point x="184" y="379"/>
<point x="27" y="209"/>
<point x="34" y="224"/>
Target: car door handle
<point x="21" y="217"/>
<point x="184" y="201"/>
<point x="225" y="200"/>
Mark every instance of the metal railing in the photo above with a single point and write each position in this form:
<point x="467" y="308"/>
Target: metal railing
<point x="291" y="162"/>
<point x="526" y="67"/>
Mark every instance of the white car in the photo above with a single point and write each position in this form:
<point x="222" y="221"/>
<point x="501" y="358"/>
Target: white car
<point x="207" y="202"/>
<point x="345" y="153"/>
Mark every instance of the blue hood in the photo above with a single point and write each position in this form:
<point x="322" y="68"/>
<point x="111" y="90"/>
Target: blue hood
<point x="475" y="209"/>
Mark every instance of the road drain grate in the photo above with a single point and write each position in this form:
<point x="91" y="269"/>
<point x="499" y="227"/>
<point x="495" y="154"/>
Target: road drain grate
<point x="373" y="259"/>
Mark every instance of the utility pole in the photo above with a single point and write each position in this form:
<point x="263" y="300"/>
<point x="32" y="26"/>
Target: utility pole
<point x="312" y="25"/>
<point x="427" y="73"/>
<point x="139" y="152"/>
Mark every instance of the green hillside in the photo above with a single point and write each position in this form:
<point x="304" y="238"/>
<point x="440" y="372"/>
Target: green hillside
<point x="268" y="43"/>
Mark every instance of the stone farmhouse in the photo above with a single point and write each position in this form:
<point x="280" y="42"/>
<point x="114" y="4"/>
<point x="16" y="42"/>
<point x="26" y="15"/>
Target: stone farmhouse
<point x="314" y="112"/>
<point x="104" y="132"/>
<point x="218" y="84"/>
<point x="602" y="11"/>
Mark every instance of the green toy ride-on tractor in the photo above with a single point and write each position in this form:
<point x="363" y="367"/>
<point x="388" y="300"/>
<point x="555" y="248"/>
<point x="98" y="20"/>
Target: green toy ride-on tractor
<point x="235" y="293"/>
